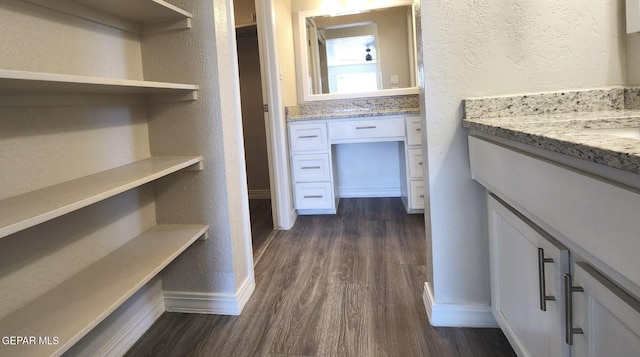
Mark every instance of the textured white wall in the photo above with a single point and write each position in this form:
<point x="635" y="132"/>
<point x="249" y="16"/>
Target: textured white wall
<point x="365" y="166"/>
<point x="244" y="11"/>
<point x="633" y="59"/>
<point x="478" y="48"/>
<point x="41" y="40"/>
<point x="284" y="35"/>
<point x="211" y="126"/>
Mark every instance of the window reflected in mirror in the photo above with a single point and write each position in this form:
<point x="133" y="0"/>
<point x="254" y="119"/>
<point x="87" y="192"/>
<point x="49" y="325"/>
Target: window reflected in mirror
<point x="364" y="52"/>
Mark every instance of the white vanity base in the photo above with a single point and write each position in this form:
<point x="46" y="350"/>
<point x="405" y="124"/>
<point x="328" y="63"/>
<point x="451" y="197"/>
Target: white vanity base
<point x="313" y="165"/>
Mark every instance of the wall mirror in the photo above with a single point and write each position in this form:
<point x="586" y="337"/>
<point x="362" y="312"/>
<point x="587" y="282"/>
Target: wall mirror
<point x="355" y="53"/>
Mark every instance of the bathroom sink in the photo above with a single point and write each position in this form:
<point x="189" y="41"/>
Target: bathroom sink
<point x="631" y="132"/>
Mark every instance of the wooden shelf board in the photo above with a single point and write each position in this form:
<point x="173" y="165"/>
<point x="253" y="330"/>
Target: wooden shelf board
<point x="27" y="210"/>
<point x="25" y="82"/>
<point x="71" y="309"/>
<point x="140" y="11"/>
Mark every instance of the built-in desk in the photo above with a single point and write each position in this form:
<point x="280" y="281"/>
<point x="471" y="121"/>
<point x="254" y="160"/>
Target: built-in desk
<point x="312" y="148"/>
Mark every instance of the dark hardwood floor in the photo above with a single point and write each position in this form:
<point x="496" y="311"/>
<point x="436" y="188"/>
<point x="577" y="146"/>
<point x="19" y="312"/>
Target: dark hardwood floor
<point x="261" y="226"/>
<point x="343" y="285"/>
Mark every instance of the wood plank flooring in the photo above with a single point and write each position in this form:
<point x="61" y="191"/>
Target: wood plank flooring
<point x="343" y="285"/>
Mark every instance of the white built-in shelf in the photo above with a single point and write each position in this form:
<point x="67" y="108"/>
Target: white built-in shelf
<point x="70" y="310"/>
<point x="27" y="210"/>
<point x="130" y="15"/>
<point x="141" y="11"/>
<point x="25" y="82"/>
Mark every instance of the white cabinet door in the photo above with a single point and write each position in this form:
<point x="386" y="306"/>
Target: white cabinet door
<point x="607" y="317"/>
<point x="527" y="267"/>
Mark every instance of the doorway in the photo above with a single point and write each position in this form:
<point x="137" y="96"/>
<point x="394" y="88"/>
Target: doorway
<point x="255" y="139"/>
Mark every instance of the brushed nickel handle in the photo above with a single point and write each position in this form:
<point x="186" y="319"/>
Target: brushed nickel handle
<point x="307" y="136"/>
<point x="420" y="163"/>
<point x="314" y="196"/>
<point x="421" y="196"/>
<point x="310" y="168"/>
<point x="542" y="284"/>
<point x="365" y="127"/>
<point x="569" y="289"/>
<point x="418" y="129"/>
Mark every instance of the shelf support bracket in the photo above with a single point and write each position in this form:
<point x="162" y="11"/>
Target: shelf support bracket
<point x="199" y="166"/>
<point x="183" y="24"/>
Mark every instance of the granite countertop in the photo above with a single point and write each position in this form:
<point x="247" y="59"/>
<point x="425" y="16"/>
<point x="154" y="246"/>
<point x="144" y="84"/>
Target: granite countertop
<point x="355" y="108"/>
<point x="576" y="134"/>
<point x="346" y="114"/>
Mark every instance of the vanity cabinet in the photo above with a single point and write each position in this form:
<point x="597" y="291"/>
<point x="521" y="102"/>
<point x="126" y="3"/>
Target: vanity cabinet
<point x="314" y="169"/>
<point x="604" y="320"/>
<point x="564" y="240"/>
<point x="414" y="163"/>
<point x="314" y="191"/>
<point x="527" y="269"/>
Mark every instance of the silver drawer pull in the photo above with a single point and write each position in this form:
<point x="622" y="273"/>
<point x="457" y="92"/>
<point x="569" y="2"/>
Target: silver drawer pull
<point x="569" y="289"/>
<point x="307" y="136"/>
<point x="542" y="283"/>
<point x="421" y="196"/>
<point x="420" y="163"/>
<point x="418" y="129"/>
<point x="314" y="196"/>
<point x="310" y="168"/>
<point x="365" y="127"/>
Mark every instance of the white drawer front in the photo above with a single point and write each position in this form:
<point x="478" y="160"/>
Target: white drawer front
<point x="417" y="194"/>
<point x="414" y="131"/>
<point x="314" y="195"/>
<point x="311" y="168"/>
<point x="367" y="128"/>
<point x="308" y="137"/>
<point x="415" y="163"/>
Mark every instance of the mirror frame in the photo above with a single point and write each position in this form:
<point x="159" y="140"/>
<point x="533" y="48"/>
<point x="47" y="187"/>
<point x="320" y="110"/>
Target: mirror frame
<point x="301" y="57"/>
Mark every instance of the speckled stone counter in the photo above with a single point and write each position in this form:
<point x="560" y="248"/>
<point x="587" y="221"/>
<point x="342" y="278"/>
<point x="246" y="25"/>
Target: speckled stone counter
<point x="564" y="122"/>
<point x="355" y="108"/>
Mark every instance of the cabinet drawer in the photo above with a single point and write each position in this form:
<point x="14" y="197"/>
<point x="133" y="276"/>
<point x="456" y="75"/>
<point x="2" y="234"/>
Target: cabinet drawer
<point x="367" y="128"/>
<point x="314" y="195"/>
<point x="311" y="168"/>
<point x="308" y="137"/>
<point x="417" y="194"/>
<point x="415" y="163"/>
<point x="414" y="131"/>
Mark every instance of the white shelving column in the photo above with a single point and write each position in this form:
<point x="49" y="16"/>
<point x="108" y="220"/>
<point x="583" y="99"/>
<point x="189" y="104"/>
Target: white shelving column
<point x="79" y="235"/>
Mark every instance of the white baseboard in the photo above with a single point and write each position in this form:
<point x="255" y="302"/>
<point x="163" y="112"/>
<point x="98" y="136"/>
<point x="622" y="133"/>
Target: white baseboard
<point x="259" y="194"/>
<point x="359" y="192"/>
<point x="210" y="303"/>
<point x="137" y="326"/>
<point x="449" y="315"/>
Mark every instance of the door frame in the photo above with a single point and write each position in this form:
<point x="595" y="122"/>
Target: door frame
<point x="284" y="215"/>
